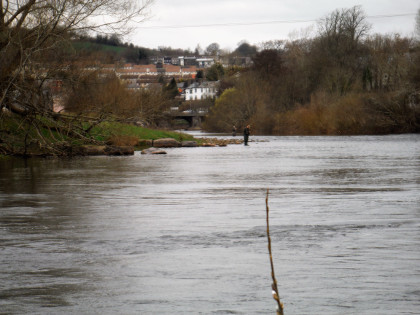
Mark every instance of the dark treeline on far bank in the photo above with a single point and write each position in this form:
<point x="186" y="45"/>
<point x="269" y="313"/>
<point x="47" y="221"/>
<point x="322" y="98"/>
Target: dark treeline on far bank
<point x="342" y="81"/>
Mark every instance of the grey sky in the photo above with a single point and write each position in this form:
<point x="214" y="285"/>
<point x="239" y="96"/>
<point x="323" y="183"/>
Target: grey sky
<point x="164" y="28"/>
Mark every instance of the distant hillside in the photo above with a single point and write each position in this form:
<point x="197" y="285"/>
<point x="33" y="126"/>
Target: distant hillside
<point x="94" y="47"/>
<point x="112" y="49"/>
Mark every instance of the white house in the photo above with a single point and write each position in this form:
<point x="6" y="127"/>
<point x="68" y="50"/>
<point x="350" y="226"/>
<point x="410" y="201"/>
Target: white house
<point x="200" y="91"/>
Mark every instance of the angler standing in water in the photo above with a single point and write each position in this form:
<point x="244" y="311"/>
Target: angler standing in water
<point x="246" y="135"/>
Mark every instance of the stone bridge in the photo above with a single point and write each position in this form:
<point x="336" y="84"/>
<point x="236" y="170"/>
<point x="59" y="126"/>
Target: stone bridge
<point x="194" y="118"/>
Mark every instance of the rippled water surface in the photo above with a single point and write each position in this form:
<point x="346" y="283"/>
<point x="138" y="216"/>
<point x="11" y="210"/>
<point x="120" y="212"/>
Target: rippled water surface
<point x="184" y="233"/>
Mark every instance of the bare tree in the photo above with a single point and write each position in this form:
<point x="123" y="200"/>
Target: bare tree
<point x="389" y="62"/>
<point x="29" y="28"/>
<point x="339" y="47"/>
<point x="213" y="49"/>
<point x="32" y="30"/>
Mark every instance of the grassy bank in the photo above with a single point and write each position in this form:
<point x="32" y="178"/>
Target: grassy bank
<point x="109" y="130"/>
<point x="30" y="136"/>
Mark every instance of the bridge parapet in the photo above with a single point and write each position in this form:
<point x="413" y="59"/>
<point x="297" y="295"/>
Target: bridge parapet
<point x="194" y="118"/>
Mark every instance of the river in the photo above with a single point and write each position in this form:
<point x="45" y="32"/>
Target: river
<point x="185" y="233"/>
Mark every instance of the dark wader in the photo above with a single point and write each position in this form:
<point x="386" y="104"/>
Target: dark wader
<point x="246" y="136"/>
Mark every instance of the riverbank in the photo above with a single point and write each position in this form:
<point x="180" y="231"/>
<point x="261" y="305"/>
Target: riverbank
<point x="71" y="136"/>
<point x="21" y="138"/>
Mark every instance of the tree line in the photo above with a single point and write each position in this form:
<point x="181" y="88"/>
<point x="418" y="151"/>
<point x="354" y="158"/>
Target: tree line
<point x="344" y="80"/>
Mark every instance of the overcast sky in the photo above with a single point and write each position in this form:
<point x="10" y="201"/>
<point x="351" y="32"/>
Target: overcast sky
<point x="185" y="24"/>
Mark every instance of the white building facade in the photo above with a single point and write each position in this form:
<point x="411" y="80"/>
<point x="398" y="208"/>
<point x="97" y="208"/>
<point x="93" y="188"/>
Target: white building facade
<point x="201" y="91"/>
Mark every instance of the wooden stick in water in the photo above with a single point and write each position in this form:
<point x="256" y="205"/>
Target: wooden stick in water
<point x="274" y="287"/>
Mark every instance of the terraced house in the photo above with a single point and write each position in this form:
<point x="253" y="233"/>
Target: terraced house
<point x="136" y="75"/>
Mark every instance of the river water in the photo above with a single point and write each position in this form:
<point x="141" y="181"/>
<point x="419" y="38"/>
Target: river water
<point x="185" y="233"/>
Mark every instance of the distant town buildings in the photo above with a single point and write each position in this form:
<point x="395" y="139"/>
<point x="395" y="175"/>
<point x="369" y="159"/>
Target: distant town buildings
<point x="162" y="69"/>
<point x="138" y="76"/>
<point x="183" y="69"/>
<point x="184" y="61"/>
<point x="202" y="62"/>
<point x="147" y="77"/>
